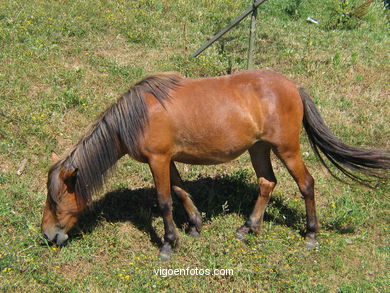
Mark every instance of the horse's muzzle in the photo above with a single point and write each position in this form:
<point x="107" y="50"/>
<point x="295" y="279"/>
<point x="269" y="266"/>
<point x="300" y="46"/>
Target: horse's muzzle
<point x="58" y="237"/>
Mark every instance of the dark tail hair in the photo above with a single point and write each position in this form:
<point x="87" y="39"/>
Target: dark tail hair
<point x="346" y="158"/>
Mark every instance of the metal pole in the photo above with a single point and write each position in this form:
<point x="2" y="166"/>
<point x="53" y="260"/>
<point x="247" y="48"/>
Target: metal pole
<point x="252" y="37"/>
<point x="228" y="28"/>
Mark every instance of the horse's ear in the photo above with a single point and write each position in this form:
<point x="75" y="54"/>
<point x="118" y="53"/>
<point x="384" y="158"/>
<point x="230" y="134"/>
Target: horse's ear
<point x="54" y="157"/>
<point x="68" y="176"/>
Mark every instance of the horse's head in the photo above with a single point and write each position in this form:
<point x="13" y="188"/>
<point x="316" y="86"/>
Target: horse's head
<point x="62" y="207"/>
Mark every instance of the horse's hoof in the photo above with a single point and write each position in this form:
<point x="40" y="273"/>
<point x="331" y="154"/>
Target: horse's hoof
<point x="240" y="237"/>
<point x="164" y="256"/>
<point x="165" y="253"/>
<point x="311" y="242"/>
<point x="193" y="232"/>
<point x="242" y="232"/>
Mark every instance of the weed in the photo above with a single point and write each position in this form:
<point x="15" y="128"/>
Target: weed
<point x="348" y="14"/>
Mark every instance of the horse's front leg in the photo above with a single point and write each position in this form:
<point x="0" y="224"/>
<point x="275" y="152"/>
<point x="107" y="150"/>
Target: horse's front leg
<point x="194" y="217"/>
<point x="159" y="166"/>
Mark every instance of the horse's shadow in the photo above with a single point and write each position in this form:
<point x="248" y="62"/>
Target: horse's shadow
<point x="212" y="196"/>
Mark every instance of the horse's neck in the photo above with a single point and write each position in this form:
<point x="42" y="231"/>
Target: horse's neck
<point x="94" y="155"/>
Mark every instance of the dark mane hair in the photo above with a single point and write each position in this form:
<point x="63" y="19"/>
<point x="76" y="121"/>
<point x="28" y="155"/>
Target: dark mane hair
<point x="122" y="122"/>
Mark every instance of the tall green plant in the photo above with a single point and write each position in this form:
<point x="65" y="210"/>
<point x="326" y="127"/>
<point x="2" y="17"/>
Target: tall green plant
<point x="349" y="14"/>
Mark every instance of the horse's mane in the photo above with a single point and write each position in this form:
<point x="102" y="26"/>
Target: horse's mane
<point x="124" y="120"/>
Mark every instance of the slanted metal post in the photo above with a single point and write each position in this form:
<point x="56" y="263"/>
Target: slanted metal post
<point x="252" y="37"/>
<point x="229" y="27"/>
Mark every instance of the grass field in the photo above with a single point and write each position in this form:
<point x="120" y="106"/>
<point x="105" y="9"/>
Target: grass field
<point x="62" y="62"/>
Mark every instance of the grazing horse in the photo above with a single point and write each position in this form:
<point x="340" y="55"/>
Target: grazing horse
<point x="166" y="118"/>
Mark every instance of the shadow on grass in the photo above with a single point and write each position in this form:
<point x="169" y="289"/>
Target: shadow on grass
<point x="212" y="196"/>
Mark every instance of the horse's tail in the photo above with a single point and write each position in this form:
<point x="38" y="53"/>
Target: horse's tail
<point x="346" y="158"/>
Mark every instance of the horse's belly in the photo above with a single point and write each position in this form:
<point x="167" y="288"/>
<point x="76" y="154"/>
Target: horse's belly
<point x="210" y="153"/>
<point x="202" y="159"/>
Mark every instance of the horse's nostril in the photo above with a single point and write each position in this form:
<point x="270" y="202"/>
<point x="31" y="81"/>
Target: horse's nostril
<point x="55" y="238"/>
<point x="45" y="235"/>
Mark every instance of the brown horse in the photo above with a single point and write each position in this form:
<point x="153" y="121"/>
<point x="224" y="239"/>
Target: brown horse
<point x="166" y="118"/>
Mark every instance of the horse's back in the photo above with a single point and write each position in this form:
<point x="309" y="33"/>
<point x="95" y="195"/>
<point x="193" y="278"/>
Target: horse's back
<point x="214" y="120"/>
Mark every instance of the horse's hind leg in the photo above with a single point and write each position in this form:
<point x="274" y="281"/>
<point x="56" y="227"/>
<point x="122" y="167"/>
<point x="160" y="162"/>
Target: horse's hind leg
<point x="194" y="217"/>
<point x="291" y="157"/>
<point x="260" y="157"/>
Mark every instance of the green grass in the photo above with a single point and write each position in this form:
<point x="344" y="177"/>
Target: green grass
<point x="62" y="62"/>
